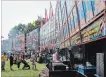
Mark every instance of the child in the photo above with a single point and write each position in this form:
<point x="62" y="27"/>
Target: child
<point x="33" y="58"/>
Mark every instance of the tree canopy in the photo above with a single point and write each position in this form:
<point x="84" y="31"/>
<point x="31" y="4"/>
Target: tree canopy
<point x="22" y="28"/>
<point x="16" y="30"/>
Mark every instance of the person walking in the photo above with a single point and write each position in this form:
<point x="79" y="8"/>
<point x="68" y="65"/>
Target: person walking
<point x="33" y="59"/>
<point x="15" y="59"/>
<point x="11" y="61"/>
<point x="3" y="59"/>
<point x="19" y="61"/>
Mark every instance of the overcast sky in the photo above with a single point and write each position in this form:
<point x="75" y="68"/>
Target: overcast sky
<point x="15" y="12"/>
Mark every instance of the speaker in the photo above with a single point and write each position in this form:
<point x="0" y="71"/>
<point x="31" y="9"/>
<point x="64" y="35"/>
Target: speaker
<point x="101" y="64"/>
<point x="59" y="67"/>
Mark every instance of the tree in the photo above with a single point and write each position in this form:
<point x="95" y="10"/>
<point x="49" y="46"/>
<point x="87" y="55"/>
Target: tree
<point x="22" y="28"/>
<point x="19" y="29"/>
<point x="32" y="26"/>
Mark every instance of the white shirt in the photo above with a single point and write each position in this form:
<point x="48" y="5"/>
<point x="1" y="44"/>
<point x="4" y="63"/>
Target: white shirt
<point x="55" y="57"/>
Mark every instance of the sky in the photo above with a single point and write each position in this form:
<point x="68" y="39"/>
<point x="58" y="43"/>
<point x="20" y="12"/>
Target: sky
<point x="15" y="12"/>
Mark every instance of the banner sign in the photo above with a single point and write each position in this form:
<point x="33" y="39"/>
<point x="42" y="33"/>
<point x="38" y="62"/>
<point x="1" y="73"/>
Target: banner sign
<point x="72" y="24"/>
<point x="66" y="31"/>
<point x="81" y="13"/>
<point x="67" y="43"/>
<point x="88" y="10"/>
<point x="94" y="31"/>
<point x="75" y="40"/>
<point x="62" y="45"/>
<point x="32" y="40"/>
<point x="98" y="6"/>
<point x="19" y="43"/>
<point x="75" y="19"/>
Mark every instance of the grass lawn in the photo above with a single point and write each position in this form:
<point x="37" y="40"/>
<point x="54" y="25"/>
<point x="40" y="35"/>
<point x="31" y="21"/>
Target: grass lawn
<point x="21" y="73"/>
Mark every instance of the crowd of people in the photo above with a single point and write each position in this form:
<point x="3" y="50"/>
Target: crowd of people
<point x="18" y="59"/>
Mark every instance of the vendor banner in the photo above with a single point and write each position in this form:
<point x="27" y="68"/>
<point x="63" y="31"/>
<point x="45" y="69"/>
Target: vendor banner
<point x="67" y="43"/>
<point x="81" y="13"/>
<point x="75" y="40"/>
<point x="87" y="5"/>
<point x="72" y="24"/>
<point x="98" y="6"/>
<point x="75" y="19"/>
<point x="94" y="31"/>
<point x="19" y="43"/>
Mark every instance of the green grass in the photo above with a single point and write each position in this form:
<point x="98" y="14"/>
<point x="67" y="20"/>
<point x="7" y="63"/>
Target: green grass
<point x="21" y="73"/>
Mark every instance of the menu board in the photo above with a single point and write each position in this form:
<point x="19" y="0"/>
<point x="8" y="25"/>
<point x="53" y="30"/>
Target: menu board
<point x="88" y="10"/>
<point x="98" y="6"/>
<point x="81" y="14"/>
<point x="75" y="19"/>
<point x="75" y="40"/>
<point x="94" y="31"/>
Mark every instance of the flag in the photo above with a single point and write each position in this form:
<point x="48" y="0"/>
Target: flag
<point x="40" y="20"/>
<point x="50" y="11"/>
<point x="46" y="16"/>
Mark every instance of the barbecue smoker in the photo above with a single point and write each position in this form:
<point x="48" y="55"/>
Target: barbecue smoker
<point x="86" y="60"/>
<point x="66" y="65"/>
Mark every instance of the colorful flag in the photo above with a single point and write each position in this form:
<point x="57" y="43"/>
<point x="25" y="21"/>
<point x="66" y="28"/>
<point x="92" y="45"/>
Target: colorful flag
<point x="46" y="16"/>
<point x="40" y="20"/>
<point x="51" y="11"/>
